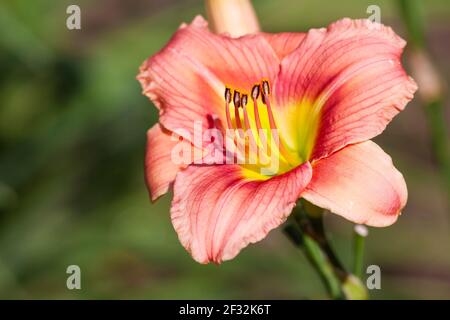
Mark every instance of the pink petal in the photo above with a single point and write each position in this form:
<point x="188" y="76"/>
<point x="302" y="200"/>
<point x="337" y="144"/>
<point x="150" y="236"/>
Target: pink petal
<point x="160" y="169"/>
<point x="186" y="80"/>
<point x="285" y="42"/>
<point x="217" y="212"/>
<point x="359" y="183"/>
<point x="351" y="74"/>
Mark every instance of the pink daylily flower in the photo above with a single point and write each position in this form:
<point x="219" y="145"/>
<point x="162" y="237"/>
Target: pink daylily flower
<point x="328" y="92"/>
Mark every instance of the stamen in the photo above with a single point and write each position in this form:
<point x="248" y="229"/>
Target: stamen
<point x="244" y="109"/>
<point x="227" y="95"/>
<point x="227" y="107"/>
<point x="255" y="95"/>
<point x="237" y="104"/>
<point x="265" y="97"/>
<point x="266" y="87"/>
<point x="244" y="99"/>
<point x="259" y="128"/>
<point x="266" y="101"/>
<point x="255" y="91"/>
<point x="252" y="143"/>
<point x="237" y="99"/>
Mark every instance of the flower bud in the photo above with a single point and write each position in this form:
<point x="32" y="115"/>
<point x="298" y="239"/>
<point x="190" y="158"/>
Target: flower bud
<point x="235" y="17"/>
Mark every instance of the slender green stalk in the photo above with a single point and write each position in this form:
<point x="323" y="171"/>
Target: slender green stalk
<point x="359" y="238"/>
<point x="318" y="259"/>
<point x="411" y="12"/>
<point x="307" y="232"/>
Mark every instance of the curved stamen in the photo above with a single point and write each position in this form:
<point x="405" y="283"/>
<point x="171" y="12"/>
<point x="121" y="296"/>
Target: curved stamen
<point x="237" y="104"/>
<point x="252" y="145"/>
<point x="255" y="95"/>
<point x="244" y="109"/>
<point x="227" y="107"/>
<point x="266" y="100"/>
<point x="259" y="129"/>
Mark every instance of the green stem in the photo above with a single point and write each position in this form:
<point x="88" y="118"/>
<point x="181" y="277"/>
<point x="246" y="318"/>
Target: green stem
<point x="307" y="232"/>
<point x="317" y="258"/>
<point x="358" y="246"/>
<point x="411" y="13"/>
<point x="317" y="230"/>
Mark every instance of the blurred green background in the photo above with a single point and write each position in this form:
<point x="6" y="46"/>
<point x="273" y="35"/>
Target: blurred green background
<point x="72" y="136"/>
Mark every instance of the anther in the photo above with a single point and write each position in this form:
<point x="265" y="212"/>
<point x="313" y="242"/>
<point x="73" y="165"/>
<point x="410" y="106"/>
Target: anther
<point x="227" y="95"/>
<point x="255" y="91"/>
<point x="227" y="106"/>
<point x="237" y="104"/>
<point x="266" y="87"/>
<point x="244" y="98"/>
<point x="237" y="99"/>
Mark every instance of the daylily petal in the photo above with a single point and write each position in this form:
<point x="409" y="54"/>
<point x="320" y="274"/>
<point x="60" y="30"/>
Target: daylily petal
<point x="217" y="212"/>
<point x="187" y="78"/>
<point x="285" y="42"/>
<point x="160" y="168"/>
<point x="359" y="183"/>
<point x="349" y="76"/>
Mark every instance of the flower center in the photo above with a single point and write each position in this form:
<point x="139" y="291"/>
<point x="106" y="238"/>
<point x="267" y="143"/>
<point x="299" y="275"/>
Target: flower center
<point x="257" y="144"/>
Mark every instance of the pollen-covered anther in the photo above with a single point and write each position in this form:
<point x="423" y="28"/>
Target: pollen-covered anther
<point x="237" y="99"/>
<point x="266" y="87"/>
<point x="237" y="104"/>
<point x="244" y="100"/>
<point x="227" y="95"/>
<point x="255" y="91"/>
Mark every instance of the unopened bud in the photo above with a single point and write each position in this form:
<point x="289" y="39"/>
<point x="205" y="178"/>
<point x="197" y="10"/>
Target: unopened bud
<point x="235" y="17"/>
